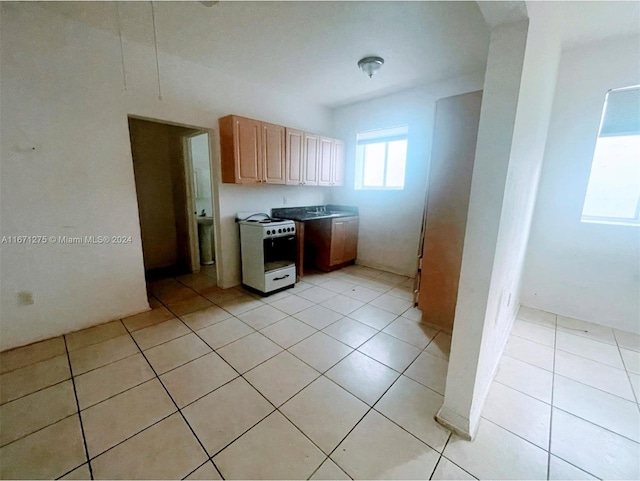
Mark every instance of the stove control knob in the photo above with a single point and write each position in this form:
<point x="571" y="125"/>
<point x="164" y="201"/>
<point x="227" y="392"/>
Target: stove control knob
<point x="280" y="231"/>
<point x="268" y="232"/>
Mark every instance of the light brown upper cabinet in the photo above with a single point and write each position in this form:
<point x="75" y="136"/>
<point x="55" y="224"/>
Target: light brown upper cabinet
<point x="258" y="152"/>
<point x="302" y="157"/>
<point x="273" y="153"/>
<point x="331" y="162"/>
<point x="252" y="151"/>
<point x="310" y="159"/>
<point x="294" y="157"/>
<point x="337" y="163"/>
<point x="324" y="161"/>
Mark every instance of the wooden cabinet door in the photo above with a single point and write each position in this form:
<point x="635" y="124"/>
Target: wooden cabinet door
<point x="273" y="159"/>
<point x="338" y="236"/>
<point x="311" y="155"/>
<point x="350" y="239"/>
<point x="325" y="160"/>
<point x="294" y="160"/>
<point x="248" y="150"/>
<point x="337" y="164"/>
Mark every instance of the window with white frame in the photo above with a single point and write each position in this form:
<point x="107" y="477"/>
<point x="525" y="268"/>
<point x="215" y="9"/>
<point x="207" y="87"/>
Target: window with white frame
<point x="381" y="158"/>
<point x="613" y="192"/>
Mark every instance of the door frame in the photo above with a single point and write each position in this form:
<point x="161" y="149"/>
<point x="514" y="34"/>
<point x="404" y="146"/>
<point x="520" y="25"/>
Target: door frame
<point x="192" y="224"/>
<point x="215" y="193"/>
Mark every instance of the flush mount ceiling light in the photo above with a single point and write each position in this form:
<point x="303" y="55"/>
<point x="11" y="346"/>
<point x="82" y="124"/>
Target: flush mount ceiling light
<point x="370" y="65"/>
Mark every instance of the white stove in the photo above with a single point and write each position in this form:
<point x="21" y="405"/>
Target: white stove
<point x="268" y="251"/>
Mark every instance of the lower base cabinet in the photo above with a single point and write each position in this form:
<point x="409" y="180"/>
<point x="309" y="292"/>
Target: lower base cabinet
<point x="331" y="243"/>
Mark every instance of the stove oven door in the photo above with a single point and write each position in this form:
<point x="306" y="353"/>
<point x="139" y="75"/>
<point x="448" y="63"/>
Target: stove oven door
<point x="279" y="252"/>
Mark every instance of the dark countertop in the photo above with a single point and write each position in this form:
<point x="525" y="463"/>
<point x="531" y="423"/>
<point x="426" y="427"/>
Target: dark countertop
<point x="304" y="214"/>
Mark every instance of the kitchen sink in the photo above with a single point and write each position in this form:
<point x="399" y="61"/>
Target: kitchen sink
<point x="326" y="215"/>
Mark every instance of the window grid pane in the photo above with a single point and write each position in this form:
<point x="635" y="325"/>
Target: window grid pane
<point x="396" y="163"/>
<point x="613" y="191"/>
<point x="374" y="165"/>
<point x="381" y="158"/>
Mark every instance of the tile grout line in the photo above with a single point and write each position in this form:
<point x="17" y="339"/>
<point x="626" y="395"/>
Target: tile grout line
<point x="635" y="395"/>
<point x="371" y="407"/>
<point x="577" y="467"/>
<point x="553" y="380"/>
<point x="201" y="466"/>
<point x="241" y="375"/>
<point x="566" y="377"/>
<point x="558" y="409"/>
<point x="43" y="427"/>
<point x="597" y="425"/>
<point x="455" y="464"/>
<point x="379" y="330"/>
<point x="178" y="410"/>
<point x="33" y="392"/>
<point x="593" y="360"/>
<point x="441" y="454"/>
<point x="527" y="362"/>
<point x="276" y="409"/>
<point x="110" y="448"/>
<point x="550" y="425"/>
<point x="286" y="349"/>
<point x="316" y="470"/>
<point x="75" y="393"/>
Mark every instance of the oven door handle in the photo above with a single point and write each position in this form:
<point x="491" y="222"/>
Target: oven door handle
<point x="280" y="278"/>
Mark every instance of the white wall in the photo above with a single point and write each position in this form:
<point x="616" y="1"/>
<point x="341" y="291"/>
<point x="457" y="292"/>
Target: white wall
<point x="390" y="221"/>
<point x="62" y="84"/>
<point x="517" y="99"/>
<point x="581" y="270"/>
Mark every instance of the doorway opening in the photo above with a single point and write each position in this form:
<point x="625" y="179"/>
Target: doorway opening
<point x="173" y="187"/>
<point x="197" y="148"/>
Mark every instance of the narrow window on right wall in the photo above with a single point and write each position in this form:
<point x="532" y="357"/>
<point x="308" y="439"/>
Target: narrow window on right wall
<point x="613" y="192"/>
<point x="381" y="159"/>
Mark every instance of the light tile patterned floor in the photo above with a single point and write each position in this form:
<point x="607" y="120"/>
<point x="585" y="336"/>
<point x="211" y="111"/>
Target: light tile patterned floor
<point x="334" y="379"/>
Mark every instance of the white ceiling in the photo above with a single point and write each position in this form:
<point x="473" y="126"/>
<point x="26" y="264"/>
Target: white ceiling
<point x="591" y="21"/>
<point x="310" y="49"/>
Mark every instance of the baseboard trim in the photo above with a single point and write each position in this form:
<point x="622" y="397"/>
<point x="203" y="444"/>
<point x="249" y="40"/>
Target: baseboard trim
<point x="455" y="422"/>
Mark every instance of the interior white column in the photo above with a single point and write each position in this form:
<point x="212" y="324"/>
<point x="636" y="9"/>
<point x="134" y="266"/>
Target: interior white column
<point x="516" y="107"/>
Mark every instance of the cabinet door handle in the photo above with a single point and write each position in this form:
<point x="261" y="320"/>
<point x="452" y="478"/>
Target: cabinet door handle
<point x="280" y="278"/>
